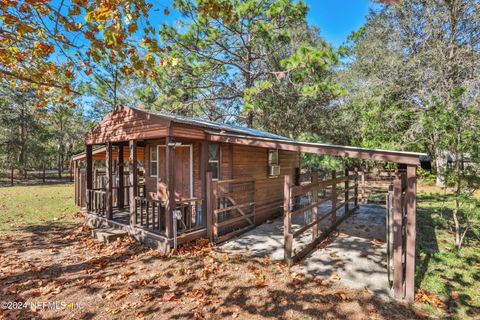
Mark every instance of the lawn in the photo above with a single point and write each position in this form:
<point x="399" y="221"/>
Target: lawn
<point x="46" y="255"/>
<point x="440" y="268"/>
<point x="40" y="205"/>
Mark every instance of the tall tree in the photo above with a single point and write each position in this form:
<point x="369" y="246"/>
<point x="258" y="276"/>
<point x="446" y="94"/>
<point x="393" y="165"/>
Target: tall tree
<point x="406" y="58"/>
<point x="224" y="59"/>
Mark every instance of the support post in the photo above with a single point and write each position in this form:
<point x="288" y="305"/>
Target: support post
<point x="108" y="181"/>
<point x="169" y="173"/>
<point x="120" y="172"/>
<point x="363" y="187"/>
<point x="75" y="179"/>
<point x="209" y="203"/>
<point x="315" y="208"/>
<point x="334" y="196"/>
<point x="411" y="233"/>
<point x="287" y="226"/>
<point x="132" y="170"/>
<point x="89" y="176"/>
<point x="204" y="182"/>
<point x="214" y="206"/>
<point x="397" y="239"/>
<point x="356" y="188"/>
<point x="346" y="191"/>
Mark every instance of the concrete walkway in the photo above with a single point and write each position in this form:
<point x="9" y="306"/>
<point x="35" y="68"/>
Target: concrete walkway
<point x="353" y="255"/>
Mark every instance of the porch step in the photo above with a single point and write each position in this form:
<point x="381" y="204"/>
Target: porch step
<point x="108" y="235"/>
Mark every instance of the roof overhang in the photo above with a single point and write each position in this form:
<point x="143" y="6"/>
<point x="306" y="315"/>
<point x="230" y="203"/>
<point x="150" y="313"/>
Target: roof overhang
<point x="101" y="154"/>
<point x="409" y="158"/>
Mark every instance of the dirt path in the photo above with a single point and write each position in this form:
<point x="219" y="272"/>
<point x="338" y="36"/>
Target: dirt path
<point x="124" y="280"/>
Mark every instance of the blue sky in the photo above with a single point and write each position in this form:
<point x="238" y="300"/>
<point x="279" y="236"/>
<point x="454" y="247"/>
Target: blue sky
<point x="338" y="18"/>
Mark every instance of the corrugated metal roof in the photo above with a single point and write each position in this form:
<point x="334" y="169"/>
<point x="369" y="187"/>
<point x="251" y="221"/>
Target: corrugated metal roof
<point x="215" y="125"/>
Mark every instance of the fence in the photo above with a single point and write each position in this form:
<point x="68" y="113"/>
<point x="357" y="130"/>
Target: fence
<point x="334" y="194"/>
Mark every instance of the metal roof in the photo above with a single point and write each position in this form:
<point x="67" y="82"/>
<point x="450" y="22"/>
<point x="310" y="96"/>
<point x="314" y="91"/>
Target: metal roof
<point x="215" y="125"/>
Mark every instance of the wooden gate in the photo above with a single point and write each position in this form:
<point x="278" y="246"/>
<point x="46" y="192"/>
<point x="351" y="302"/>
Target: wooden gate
<point x="233" y="203"/>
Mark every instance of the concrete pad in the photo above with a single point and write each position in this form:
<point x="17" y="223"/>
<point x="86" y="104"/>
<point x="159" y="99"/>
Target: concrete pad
<point x="358" y="262"/>
<point x="109" y="234"/>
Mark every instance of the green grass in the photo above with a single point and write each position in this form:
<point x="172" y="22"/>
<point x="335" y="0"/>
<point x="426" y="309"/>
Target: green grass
<point x="42" y="205"/>
<point x="440" y="268"/>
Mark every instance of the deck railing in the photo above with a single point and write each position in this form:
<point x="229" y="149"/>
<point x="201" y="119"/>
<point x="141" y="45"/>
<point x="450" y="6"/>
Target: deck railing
<point x="97" y="201"/>
<point x="150" y="214"/>
<point x="334" y="194"/>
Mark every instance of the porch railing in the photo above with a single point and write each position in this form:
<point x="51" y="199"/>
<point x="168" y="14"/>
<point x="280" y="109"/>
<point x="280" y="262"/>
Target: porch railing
<point x="150" y="214"/>
<point x="97" y="201"/>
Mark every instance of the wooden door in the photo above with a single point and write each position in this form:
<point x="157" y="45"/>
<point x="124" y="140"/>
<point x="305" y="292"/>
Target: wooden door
<point x="182" y="173"/>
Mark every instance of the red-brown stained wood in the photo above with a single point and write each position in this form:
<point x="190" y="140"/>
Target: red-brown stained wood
<point x="287" y="232"/>
<point x="109" y="182"/>
<point x="411" y="233"/>
<point x="397" y="239"/>
<point x="132" y="167"/>
<point x="125" y="124"/>
<point x="315" y="208"/>
<point x="170" y="181"/>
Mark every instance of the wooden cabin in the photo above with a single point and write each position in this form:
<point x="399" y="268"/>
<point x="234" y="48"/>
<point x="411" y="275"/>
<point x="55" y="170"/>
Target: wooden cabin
<point x="178" y="153"/>
<point x="169" y="179"/>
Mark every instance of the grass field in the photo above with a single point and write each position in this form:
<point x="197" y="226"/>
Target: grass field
<point x="440" y="269"/>
<point x="27" y="206"/>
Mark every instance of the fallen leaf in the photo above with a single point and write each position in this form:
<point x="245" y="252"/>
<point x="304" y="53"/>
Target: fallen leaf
<point x="342" y="295"/>
<point x="260" y="283"/>
<point x="335" y="276"/>
<point x="168" y="296"/>
<point x="377" y="242"/>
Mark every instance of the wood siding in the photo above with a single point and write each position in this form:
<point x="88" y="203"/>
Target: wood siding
<point x="253" y="162"/>
<point x="127" y="124"/>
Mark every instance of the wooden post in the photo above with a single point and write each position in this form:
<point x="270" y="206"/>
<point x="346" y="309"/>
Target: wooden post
<point x="363" y="187"/>
<point x="120" y="172"/>
<point x="315" y="208"/>
<point x="75" y="180"/>
<point x="89" y="175"/>
<point x="214" y="206"/>
<point x="133" y="181"/>
<point x="397" y="239"/>
<point x="204" y="183"/>
<point x="43" y="172"/>
<point x="356" y="188"/>
<point x="411" y="233"/>
<point x="346" y="191"/>
<point x="334" y="196"/>
<point x="210" y="205"/>
<point x="108" y="181"/>
<point x="287" y="226"/>
<point x="169" y="173"/>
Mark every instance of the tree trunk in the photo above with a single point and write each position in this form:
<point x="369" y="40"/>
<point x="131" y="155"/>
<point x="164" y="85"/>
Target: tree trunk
<point x="441" y="163"/>
<point x="11" y="175"/>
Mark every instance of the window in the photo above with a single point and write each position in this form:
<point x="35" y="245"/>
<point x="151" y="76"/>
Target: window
<point x="273" y="157"/>
<point x="213" y="160"/>
<point x="153" y="161"/>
